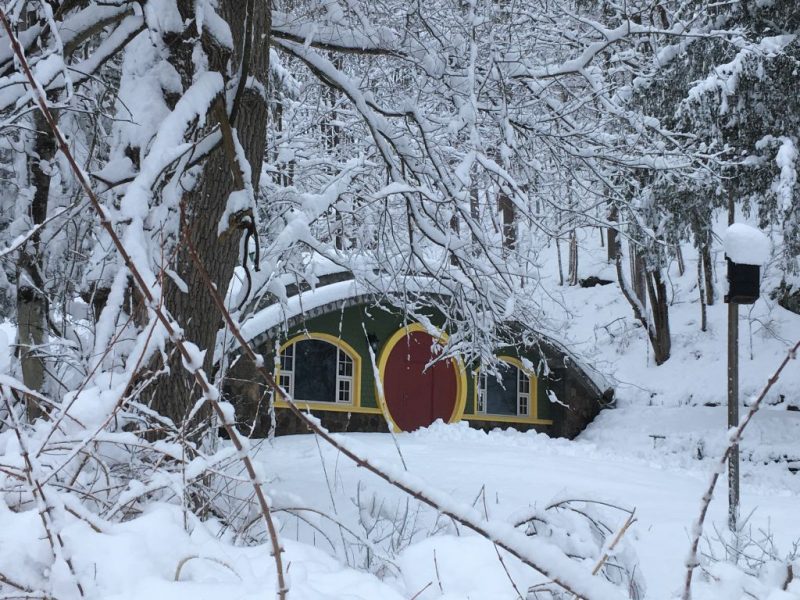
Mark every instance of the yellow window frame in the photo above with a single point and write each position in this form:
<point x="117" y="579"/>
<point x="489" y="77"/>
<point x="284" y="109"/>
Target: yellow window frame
<point x="355" y="406"/>
<point x="533" y="398"/>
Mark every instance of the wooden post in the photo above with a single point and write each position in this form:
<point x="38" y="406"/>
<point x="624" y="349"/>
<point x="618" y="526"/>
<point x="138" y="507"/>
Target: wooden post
<point x="733" y="412"/>
<point x="733" y="392"/>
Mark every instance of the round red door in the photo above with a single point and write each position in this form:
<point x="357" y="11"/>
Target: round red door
<point x="416" y="397"/>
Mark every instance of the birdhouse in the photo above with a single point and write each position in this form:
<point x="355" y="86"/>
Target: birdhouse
<point x="743" y="283"/>
<point x="746" y="249"/>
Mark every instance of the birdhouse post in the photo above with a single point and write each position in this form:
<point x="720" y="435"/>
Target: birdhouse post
<point x="746" y="249"/>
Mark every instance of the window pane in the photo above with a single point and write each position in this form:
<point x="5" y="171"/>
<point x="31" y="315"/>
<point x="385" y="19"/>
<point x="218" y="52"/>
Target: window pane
<point x="523" y="406"/>
<point x="344" y="391"/>
<point x="524" y="383"/>
<point x="315" y="371"/>
<point x="345" y="364"/>
<point x="481" y="407"/>
<point x="287" y="363"/>
<point x="501" y="396"/>
<point x="286" y="382"/>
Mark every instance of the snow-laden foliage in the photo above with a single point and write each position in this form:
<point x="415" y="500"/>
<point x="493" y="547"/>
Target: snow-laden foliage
<point x="157" y="154"/>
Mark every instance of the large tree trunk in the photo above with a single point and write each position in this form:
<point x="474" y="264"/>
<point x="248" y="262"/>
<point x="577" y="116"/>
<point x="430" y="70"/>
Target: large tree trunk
<point x="31" y="298"/>
<point x="573" y="258"/>
<point x="611" y="232"/>
<point x="660" y="337"/>
<point x="638" y="274"/>
<point x="204" y="205"/>
<point x="657" y="325"/>
<point x="701" y="290"/>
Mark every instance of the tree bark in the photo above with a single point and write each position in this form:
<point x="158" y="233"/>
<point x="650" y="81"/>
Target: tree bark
<point x="509" y="221"/>
<point x="638" y="274"/>
<point x="573" y="258"/>
<point x="204" y="205"/>
<point x="661" y="338"/>
<point x="560" y="266"/>
<point x="700" y="287"/>
<point x="611" y="232"/>
<point x="31" y="298"/>
<point x="474" y="210"/>
<point x="708" y="269"/>
<point x="657" y="328"/>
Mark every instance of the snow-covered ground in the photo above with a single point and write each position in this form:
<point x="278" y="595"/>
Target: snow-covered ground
<point x="505" y="472"/>
<point x="324" y="500"/>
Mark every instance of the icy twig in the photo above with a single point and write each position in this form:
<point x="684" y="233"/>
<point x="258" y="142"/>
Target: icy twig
<point x="419" y="593"/>
<point x="11" y="583"/>
<point x="44" y="507"/>
<point x="734" y="439"/>
<point x="186" y="559"/>
<point x="24" y="238"/>
<point x="117" y="406"/>
<point x="630" y="521"/>
<point x="548" y="562"/>
<point x="376" y="373"/>
<point x="293" y="510"/>
<point x="497" y="550"/>
<point x="209" y="392"/>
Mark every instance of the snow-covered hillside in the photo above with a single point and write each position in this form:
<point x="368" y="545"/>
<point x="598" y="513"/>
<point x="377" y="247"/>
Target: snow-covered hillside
<point x="175" y="175"/>
<point x="598" y="325"/>
<point x="347" y="534"/>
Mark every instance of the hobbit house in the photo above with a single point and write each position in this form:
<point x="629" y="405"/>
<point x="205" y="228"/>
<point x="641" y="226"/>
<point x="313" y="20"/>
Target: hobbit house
<point x="331" y="345"/>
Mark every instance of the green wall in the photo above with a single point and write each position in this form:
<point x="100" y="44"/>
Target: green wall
<point x="380" y="323"/>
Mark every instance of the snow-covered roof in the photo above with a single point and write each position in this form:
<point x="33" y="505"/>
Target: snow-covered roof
<point x="262" y="326"/>
<point x="304" y="302"/>
<point x="746" y="245"/>
<point x="330" y="296"/>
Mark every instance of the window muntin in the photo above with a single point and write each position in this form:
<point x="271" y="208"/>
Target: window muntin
<point x="523" y="393"/>
<point x="286" y="378"/>
<point x="316" y="370"/>
<point x="480" y="403"/>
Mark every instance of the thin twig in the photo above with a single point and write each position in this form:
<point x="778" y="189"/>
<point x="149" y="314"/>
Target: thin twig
<point x="497" y="550"/>
<point x="477" y="525"/>
<point x="186" y="559"/>
<point x="630" y="521"/>
<point x="44" y="507"/>
<point x="734" y="439"/>
<point x="210" y="393"/>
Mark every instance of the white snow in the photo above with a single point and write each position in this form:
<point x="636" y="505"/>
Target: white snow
<point x="120" y="507"/>
<point x="786" y="159"/>
<point x="746" y="245"/>
<point x="507" y="472"/>
<point x="387" y="546"/>
<point x="7" y="333"/>
<point x="238" y="201"/>
<point x="772" y="45"/>
<point x="195" y="357"/>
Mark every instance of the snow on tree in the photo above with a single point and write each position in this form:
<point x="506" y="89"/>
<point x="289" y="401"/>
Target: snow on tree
<point x="159" y="157"/>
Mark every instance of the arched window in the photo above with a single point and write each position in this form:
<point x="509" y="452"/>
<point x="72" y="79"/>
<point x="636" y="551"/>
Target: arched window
<point x="508" y="395"/>
<point x="317" y="368"/>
